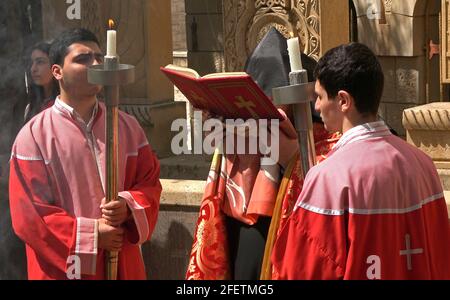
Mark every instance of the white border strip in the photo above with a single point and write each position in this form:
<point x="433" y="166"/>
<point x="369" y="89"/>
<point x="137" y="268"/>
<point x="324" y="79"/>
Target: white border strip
<point x="77" y="247"/>
<point x="355" y="211"/>
<point x="140" y="220"/>
<point x="28" y="158"/>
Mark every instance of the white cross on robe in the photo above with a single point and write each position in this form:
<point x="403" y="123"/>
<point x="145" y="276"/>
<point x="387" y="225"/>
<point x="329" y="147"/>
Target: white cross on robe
<point x="409" y="252"/>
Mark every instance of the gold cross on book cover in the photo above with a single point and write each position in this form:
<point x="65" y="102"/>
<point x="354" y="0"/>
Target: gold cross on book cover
<point x="230" y="95"/>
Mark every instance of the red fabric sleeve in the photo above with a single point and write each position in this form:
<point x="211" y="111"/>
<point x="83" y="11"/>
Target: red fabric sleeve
<point x="44" y="227"/>
<point x="143" y="196"/>
<point x="310" y="247"/>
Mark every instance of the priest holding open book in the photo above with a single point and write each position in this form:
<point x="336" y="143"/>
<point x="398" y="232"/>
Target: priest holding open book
<point x="241" y="192"/>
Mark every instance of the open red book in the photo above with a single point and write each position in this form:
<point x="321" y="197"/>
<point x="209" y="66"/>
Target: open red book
<point x="230" y="95"/>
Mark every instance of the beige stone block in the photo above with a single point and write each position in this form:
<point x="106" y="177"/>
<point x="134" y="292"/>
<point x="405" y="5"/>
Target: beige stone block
<point x="442" y="164"/>
<point x="204" y="32"/>
<point x="182" y="192"/>
<point x="206" y="62"/>
<point x="428" y="128"/>
<point x="332" y="13"/>
<point x="203" y="6"/>
<point x="401" y="36"/>
<point x="361" y="7"/>
<point x="394" y="114"/>
<point x="365" y="7"/>
<point x="180" y="58"/>
<point x="408" y="7"/>
<point x="389" y="70"/>
<point x="403" y="7"/>
<point x="410" y="80"/>
<point x="415" y="7"/>
<point x="444" y="174"/>
<point x="447" y="199"/>
<point x="434" y="143"/>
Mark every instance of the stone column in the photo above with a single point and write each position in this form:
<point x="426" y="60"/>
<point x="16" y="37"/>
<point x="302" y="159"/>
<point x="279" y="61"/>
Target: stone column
<point x="428" y="128"/>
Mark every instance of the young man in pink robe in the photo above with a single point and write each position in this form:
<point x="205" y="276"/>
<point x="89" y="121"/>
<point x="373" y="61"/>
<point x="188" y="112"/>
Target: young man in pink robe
<point x="57" y="184"/>
<point x="375" y="208"/>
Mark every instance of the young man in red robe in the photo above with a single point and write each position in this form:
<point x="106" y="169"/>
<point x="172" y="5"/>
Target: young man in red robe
<point x="57" y="184"/>
<point x="375" y="208"/>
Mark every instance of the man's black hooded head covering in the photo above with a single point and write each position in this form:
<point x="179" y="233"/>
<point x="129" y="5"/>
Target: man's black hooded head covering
<point x="269" y="64"/>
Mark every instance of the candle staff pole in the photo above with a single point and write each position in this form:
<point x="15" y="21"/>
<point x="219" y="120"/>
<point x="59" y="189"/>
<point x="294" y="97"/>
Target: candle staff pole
<point x="300" y="94"/>
<point x="111" y="75"/>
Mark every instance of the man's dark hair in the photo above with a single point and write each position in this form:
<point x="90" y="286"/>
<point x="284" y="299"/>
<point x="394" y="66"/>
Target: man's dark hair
<point x="355" y="69"/>
<point x="60" y="45"/>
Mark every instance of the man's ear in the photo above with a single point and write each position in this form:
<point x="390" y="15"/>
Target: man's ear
<point x="346" y="101"/>
<point x="57" y="72"/>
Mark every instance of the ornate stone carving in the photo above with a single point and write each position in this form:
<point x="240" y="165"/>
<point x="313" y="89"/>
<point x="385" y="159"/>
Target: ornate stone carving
<point x="247" y="21"/>
<point x="306" y="13"/>
<point x="388" y="6"/>
<point x="266" y="6"/>
<point x="434" y="116"/>
<point x="408" y="85"/>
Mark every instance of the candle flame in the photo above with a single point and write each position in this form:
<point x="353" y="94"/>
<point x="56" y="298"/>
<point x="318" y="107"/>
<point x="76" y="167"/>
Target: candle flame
<point x="291" y="34"/>
<point x="111" y="24"/>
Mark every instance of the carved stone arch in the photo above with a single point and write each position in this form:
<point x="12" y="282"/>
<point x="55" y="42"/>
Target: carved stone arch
<point x="259" y="28"/>
<point x="307" y="25"/>
<point x="247" y="21"/>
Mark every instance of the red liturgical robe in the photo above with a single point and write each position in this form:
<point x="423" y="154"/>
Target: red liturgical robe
<point x="57" y="184"/>
<point x="374" y="209"/>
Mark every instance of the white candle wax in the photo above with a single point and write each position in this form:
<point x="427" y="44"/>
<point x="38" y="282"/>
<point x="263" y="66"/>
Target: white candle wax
<point x="294" y="54"/>
<point x="111" y="45"/>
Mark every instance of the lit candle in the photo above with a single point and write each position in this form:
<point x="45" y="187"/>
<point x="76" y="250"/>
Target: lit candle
<point x="111" y="44"/>
<point x="294" y="54"/>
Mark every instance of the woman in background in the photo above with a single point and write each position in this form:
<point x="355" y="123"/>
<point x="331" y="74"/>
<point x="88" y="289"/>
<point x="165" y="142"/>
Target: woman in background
<point x="44" y="88"/>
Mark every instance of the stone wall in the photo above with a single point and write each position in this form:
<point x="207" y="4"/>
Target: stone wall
<point x="400" y="35"/>
<point x="204" y="29"/>
<point x="179" y="25"/>
<point x="167" y="255"/>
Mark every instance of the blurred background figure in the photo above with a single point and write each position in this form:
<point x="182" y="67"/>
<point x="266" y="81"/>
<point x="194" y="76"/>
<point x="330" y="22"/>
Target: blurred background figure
<point x="43" y="88"/>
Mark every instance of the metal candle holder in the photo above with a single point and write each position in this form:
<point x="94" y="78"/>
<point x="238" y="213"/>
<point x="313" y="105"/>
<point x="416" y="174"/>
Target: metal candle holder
<point x="111" y="75"/>
<point x="300" y="94"/>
